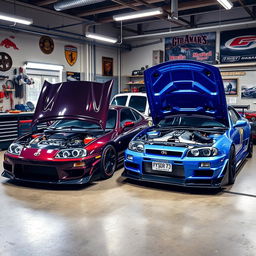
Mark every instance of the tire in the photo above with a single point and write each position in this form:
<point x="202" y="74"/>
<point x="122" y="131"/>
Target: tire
<point x="250" y="148"/>
<point x="232" y="166"/>
<point x="108" y="162"/>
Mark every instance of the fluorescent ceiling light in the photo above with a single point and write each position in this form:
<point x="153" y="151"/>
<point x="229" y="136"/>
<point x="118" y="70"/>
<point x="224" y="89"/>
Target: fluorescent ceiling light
<point x="101" y="37"/>
<point x="15" y="18"/>
<point x="227" y="4"/>
<point x="138" y="14"/>
<point x="44" y="66"/>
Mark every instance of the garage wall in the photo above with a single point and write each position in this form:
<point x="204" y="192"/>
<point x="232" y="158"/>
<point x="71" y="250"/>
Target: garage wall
<point x="139" y="57"/>
<point x="29" y="51"/>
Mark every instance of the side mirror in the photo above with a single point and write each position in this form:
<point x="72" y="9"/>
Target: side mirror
<point x="240" y="123"/>
<point x="128" y="124"/>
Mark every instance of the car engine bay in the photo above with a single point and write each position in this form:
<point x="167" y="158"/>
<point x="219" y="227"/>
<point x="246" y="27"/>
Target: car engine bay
<point x="59" y="140"/>
<point x="182" y="137"/>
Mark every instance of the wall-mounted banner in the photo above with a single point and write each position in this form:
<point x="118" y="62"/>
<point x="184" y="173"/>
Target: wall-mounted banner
<point x="199" y="47"/>
<point x="70" y="54"/>
<point x="238" y="46"/>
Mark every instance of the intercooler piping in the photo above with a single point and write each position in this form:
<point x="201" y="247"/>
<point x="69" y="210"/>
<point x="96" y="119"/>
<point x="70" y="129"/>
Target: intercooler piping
<point x="68" y="4"/>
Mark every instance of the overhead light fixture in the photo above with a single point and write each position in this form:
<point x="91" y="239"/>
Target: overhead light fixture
<point x="43" y="66"/>
<point x="227" y="4"/>
<point x="15" y="18"/>
<point x="101" y="37"/>
<point x="138" y="14"/>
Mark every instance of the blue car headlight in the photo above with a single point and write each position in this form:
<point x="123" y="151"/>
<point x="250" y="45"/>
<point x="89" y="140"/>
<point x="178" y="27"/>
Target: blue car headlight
<point x="136" y="146"/>
<point x="15" y="149"/>
<point x="71" y="153"/>
<point x="203" y="152"/>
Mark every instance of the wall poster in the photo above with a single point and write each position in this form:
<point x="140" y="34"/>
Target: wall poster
<point x="198" y="47"/>
<point x="238" y="46"/>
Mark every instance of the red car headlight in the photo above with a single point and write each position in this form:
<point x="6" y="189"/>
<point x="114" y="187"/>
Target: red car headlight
<point x="15" y="149"/>
<point x="71" y="153"/>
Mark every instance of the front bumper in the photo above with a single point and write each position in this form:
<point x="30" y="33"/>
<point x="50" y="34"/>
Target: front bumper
<point x="50" y="172"/>
<point x="187" y="171"/>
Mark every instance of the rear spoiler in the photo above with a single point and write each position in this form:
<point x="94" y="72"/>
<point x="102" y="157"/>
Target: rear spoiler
<point x="243" y="107"/>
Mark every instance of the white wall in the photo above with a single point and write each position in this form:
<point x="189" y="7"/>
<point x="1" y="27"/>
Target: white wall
<point x="29" y="51"/>
<point x="139" y="57"/>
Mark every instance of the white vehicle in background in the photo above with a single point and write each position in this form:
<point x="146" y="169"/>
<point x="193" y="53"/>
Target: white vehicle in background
<point x="137" y="100"/>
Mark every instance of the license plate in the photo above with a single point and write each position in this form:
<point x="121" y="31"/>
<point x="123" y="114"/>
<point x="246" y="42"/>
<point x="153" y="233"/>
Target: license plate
<point x="159" y="166"/>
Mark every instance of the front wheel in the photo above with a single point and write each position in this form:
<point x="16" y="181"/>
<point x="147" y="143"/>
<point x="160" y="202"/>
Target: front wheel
<point x="108" y="162"/>
<point x="232" y="167"/>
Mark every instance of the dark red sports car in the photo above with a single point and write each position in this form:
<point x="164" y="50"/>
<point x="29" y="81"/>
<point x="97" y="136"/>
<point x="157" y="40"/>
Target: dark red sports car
<point x="86" y="139"/>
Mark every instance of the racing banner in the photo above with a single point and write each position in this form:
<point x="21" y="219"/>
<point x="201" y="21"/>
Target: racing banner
<point x="238" y="46"/>
<point x="199" y="47"/>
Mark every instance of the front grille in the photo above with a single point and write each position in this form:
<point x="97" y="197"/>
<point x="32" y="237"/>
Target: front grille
<point x="8" y="167"/>
<point x="76" y="173"/>
<point x="131" y="165"/>
<point x="177" y="170"/>
<point x="163" y="152"/>
<point x="203" y="173"/>
<point x="36" y="172"/>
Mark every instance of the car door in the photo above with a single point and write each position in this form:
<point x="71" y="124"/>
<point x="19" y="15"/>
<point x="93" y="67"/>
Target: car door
<point x="127" y="133"/>
<point x="237" y="133"/>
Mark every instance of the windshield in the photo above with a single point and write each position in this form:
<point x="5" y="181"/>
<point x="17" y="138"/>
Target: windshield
<point x="119" y="100"/>
<point x="191" y="121"/>
<point x="79" y="124"/>
<point x="138" y="103"/>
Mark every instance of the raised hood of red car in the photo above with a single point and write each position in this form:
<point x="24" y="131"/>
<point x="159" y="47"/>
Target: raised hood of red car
<point x="88" y="101"/>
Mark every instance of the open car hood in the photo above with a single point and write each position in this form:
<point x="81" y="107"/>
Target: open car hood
<point x="185" y="87"/>
<point x="88" y="101"/>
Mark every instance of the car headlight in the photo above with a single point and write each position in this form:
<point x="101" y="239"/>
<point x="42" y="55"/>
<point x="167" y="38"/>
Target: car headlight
<point x="203" y="152"/>
<point x="136" y="146"/>
<point x="71" y="153"/>
<point x="15" y="149"/>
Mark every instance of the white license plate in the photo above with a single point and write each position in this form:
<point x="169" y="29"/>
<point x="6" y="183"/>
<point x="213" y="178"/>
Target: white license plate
<point x="159" y="166"/>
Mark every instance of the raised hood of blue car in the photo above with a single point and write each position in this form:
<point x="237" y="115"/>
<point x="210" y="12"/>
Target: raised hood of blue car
<point x="185" y="87"/>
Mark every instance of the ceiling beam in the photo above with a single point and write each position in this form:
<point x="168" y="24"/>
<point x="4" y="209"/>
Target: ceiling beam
<point x="111" y="8"/>
<point x="127" y="5"/>
<point x="182" y="6"/>
<point x="46" y="2"/>
<point x="247" y="9"/>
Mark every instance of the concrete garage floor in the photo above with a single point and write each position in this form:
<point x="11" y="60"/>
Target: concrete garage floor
<point x="117" y="218"/>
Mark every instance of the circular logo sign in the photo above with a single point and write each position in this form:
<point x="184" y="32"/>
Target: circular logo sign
<point x="5" y="61"/>
<point x="46" y="44"/>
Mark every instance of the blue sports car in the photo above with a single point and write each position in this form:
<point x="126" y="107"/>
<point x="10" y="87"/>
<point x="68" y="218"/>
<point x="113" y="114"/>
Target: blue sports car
<point x="196" y="140"/>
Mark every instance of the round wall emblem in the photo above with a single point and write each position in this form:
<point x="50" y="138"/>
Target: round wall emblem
<point x="46" y="44"/>
<point x="5" y="61"/>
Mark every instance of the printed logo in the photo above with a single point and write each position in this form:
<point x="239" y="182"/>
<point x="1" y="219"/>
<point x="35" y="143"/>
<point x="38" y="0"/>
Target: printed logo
<point x="241" y="43"/>
<point x="7" y="43"/>
<point x="163" y="152"/>
<point x="37" y="153"/>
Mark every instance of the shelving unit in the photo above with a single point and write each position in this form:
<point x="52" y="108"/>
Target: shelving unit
<point x="134" y="83"/>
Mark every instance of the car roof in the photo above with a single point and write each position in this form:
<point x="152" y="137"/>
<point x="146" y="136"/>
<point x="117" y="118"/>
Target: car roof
<point x="132" y="94"/>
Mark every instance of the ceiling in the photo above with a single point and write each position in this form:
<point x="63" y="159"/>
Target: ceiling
<point x="102" y="13"/>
